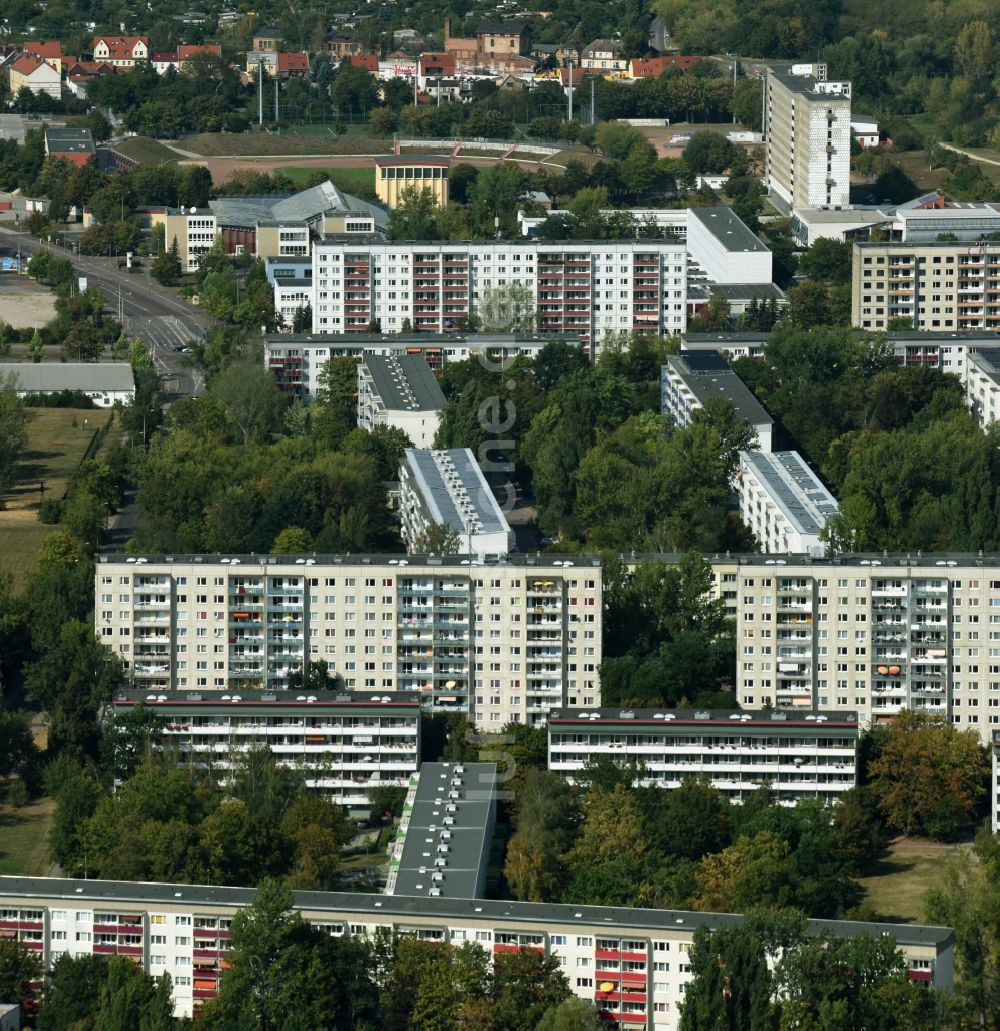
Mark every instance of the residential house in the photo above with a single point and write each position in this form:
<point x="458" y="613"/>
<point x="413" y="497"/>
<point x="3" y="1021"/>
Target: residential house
<point x="651" y="67"/>
<point x="401" y="392"/>
<point x="605" y="55"/>
<point x="343" y="44"/>
<point x="121" y="51"/>
<point x="267" y="39"/>
<point x="75" y="145"/>
<point x="35" y="74"/>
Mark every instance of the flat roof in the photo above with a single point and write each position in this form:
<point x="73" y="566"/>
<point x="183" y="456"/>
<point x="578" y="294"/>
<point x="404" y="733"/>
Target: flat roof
<point x="811" y="87"/>
<point x="718" y="719"/>
<point x="399" y="908"/>
<point x="69" y="141"/>
<point x="471" y="814"/>
<point x="404" y="382"/>
<point x="731" y="231"/>
<point x="797" y="491"/>
<point x="421" y="340"/>
<point x="707" y="375"/>
<point x="454" y="490"/>
<point x="284" y="700"/>
<point x="747" y="291"/>
<point x="301" y="563"/>
<point x="412" y="159"/>
<point x="987" y="360"/>
<point x="46" y="377"/>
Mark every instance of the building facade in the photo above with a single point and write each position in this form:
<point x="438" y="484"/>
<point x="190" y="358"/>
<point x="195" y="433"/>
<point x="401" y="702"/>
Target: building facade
<point x="939" y="286"/>
<point x="807" y="755"/>
<point x="447" y="489"/>
<point x="631" y="963"/>
<point x="395" y="174"/>
<point x="503" y="641"/>
<point x="690" y="381"/>
<point x="121" y="51"/>
<point x="807" y="131"/>
<point x="344" y="744"/>
<point x="399" y="391"/>
<point x="35" y="74"/>
<point x="587" y="289"/>
<point x="105" y="383"/>
<point x="783" y="502"/>
<point x="982" y="384"/>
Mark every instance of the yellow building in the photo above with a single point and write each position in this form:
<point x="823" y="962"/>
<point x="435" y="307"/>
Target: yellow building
<point x="395" y="174"/>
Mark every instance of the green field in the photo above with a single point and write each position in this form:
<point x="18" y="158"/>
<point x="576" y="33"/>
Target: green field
<point x="359" y="181"/>
<point x="901" y="879"/>
<point x="146" y="150"/>
<point x="54" y="450"/>
<point x="24" y="850"/>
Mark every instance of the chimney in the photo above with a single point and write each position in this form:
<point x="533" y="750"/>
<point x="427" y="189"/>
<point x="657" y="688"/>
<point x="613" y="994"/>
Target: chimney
<point x="447" y="32"/>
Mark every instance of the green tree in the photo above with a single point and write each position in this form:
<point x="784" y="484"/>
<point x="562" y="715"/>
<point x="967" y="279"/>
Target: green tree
<point x="36" y="347"/>
<point x="18" y="968"/>
<point x="13" y="432"/>
<point x="439" y="539"/>
<point x="293" y="540"/>
<point x="251" y="400"/>
<point x="573" y="1014"/>
<point x="709" y="153"/>
<point x="829" y="260"/>
<point x="166" y="266"/>
<point x="139" y="356"/>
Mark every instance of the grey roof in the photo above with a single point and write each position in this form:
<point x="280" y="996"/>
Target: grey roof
<point x="462" y="563"/>
<point x="51" y="377"/>
<point x="400" y="907"/>
<point x="303" y="206"/>
<point x="69" y="141"/>
<point x="284" y="700"/>
<point x="729" y="229"/>
<point x="707" y="375"/>
<point x="422" y="340"/>
<point x="987" y="360"/>
<point x="747" y="291"/>
<point x="469" y="487"/>
<point x="472" y="819"/>
<point x="807" y="86"/>
<point x="794" y="488"/>
<point x="720" y="719"/>
<point x="404" y="382"/>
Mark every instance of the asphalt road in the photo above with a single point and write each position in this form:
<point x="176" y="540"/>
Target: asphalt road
<point x="162" y="320"/>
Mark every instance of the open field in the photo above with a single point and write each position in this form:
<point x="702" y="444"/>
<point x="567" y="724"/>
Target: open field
<point x="225" y="144"/>
<point x="25" y="304"/>
<point x="146" y="150"/>
<point x="351" y="180"/>
<point x="55" y="448"/>
<point x="896" y="891"/>
<point x="24" y="850"/>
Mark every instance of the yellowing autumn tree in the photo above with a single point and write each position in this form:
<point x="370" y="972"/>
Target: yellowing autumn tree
<point x="927" y="777"/>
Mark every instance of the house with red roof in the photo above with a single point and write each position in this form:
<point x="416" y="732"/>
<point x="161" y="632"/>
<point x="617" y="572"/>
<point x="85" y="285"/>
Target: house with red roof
<point x="293" y="63"/>
<point x="367" y="61"/>
<point x="651" y="67"/>
<point x="121" y="51"/>
<point x="33" y="73"/>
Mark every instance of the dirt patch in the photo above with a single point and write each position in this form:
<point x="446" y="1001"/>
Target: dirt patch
<point x="24" y="304"/>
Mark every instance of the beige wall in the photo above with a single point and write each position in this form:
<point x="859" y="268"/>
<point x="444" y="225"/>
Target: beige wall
<point x="391" y="180"/>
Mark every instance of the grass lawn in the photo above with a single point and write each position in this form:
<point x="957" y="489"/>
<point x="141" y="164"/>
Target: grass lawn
<point x="55" y="448"/>
<point x="146" y="150"/>
<point x="359" y="181"/>
<point x="24" y="851"/>
<point x="902" y="877"/>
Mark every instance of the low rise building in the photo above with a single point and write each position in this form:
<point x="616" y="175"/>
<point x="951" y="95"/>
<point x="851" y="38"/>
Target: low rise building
<point x="689" y="381"/>
<point x="121" y="51"/>
<point x="74" y="145"/>
<point x="34" y="74"/>
<point x="383" y="623"/>
<point x="105" y="383"/>
<point x="605" y="55"/>
<point x="300" y="358"/>
<point x="397" y="173"/>
<point x="344" y="743"/>
<point x="442" y="847"/>
<point x="446" y="490"/>
<point x="633" y="962"/>
<point x="982" y="384"/>
<point x="725" y="249"/>
<point x="400" y="392"/>
<point x="800" y="755"/>
<point x="783" y="502"/>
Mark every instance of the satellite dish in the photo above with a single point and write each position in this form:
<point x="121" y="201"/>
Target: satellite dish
<point x="194" y="210"/>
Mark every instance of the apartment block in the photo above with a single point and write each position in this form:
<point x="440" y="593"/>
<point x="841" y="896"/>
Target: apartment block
<point x="631" y="963"/>
<point x="689" y="381"/>
<point x="783" y="502"/>
<point x="446" y="488"/>
<point x="995" y="782"/>
<point x="399" y="391"/>
<point x="588" y="289"/>
<point x="299" y="359"/>
<point x="807" y="132"/>
<point x="344" y="743"/>
<point x="944" y="286"/>
<point x="982" y="384"/>
<point x="504" y="641"/>
<point x="799" y="755"/>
